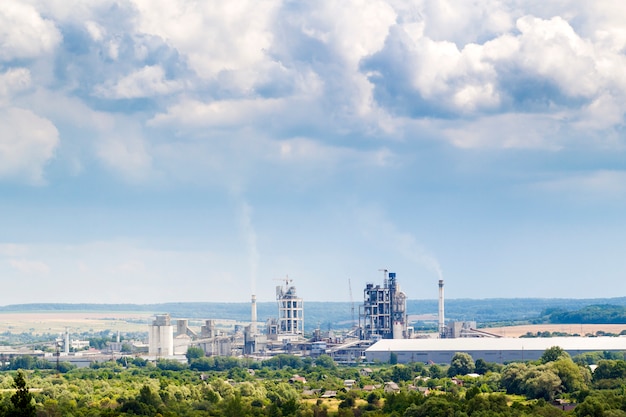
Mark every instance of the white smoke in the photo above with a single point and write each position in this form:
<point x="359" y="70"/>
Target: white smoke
<point x="377" y="227"/>
<point x="249" y="234"/>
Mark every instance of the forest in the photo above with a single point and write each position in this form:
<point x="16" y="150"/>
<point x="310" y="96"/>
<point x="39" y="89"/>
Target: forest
<point x="285" y="385"/>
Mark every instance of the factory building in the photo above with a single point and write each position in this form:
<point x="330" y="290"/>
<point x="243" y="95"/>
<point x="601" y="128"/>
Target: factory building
<point x="290" y="311"/>
<point x="499" y="350"/>
<point x="161" y="336"/>
<point x="383" y="313"/>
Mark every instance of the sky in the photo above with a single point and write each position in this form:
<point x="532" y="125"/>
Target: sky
<point x="181" y="150"/>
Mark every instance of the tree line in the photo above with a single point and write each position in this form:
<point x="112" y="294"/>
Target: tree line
<point x="241" y="387"/>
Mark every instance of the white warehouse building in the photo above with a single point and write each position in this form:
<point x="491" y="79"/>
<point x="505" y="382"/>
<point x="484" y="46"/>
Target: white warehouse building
<point x="499" y="350"/>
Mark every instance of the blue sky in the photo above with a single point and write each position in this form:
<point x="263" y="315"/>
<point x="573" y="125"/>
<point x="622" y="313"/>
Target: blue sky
<point x="155" y="150"/>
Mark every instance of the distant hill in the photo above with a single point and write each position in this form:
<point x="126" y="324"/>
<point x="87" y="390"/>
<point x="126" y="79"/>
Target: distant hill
<point x="600" y="314"/>
<point x="335" y="315"/>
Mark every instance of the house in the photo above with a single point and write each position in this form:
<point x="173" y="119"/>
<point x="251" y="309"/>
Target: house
<point x="391" y="387"/>
<point x="365" y="371"/>
<point x="329" y="394"/>
<point x="311" y="392"/>
<point x="349" y="383"/>
<point x="297" y="378"/>
<point x="424" y="390"/>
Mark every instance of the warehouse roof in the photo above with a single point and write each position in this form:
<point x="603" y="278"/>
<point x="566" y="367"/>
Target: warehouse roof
<point x="504" y="344"/>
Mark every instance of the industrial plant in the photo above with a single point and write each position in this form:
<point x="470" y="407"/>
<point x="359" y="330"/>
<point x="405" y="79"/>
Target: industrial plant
<point x="383" y="328"/>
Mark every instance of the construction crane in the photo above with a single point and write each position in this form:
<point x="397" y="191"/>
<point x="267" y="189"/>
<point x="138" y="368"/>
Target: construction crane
<point x="286" y="280"/>
<point x="279" y="289"/>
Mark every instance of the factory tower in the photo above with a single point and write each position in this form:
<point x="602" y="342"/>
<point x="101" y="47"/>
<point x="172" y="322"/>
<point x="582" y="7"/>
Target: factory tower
<point x="383" y="314"/>
<point x="290" y="310"/>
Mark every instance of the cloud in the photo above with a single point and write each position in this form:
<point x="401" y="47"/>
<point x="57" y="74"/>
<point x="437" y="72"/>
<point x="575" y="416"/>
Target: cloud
<point x="126" y="154"/>
<point x="507" y="131"/>
<point x="591" y="187"/>
<point x="379" y="230"/>
<point x="12" y="81"/>
<point x="13" y="250"/>
<point x="24" y="33"/>
<point x="29" y="267"/>
<point x="334" y="83"/>
<point x="132" y="267"/>
<point x="215" y="38"/>
<point x="27" y="144"/>
<point x="221" y="113"/>
<point x="146" y="82"/>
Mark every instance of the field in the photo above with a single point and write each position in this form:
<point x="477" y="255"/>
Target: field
<point x="581" y="329"/>
<point x="76" y="322"/>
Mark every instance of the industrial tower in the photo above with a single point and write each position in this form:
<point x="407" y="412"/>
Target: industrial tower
<point x="290" y="310"/>
<point x="383" y="313"/>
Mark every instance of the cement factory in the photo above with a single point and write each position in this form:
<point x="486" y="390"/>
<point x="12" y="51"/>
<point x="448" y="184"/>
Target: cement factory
<point x="382" y="329"/>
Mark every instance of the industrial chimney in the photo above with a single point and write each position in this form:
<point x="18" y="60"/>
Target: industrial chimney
<point x="66" y="342"/>
<point x="253" y="316"/>
<point x="441" y="316"/>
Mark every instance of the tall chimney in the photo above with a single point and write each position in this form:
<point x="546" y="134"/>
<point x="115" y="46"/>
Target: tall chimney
<point x="253" y="316"/>
<point x="441" y="316"/>
<point x="66" y="343"/>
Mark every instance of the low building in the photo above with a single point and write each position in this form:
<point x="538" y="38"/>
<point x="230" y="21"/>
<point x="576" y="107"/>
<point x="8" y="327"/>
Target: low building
<point x="499" y="350"/>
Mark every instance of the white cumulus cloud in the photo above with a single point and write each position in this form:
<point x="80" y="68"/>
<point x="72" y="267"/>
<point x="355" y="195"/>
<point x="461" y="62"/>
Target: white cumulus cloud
<point x="145" y="82"/>
<point x="23" y="31"/>
<point x="27" y="144"/>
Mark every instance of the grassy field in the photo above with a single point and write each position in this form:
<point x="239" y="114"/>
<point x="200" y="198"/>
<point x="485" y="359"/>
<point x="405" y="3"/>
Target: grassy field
<point x="77" y="322"/>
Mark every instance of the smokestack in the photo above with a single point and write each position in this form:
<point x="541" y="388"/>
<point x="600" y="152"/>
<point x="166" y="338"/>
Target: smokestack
<point x="66" y="344"/>
<point x="441" y="316"/>
<point x="253" y="316"/>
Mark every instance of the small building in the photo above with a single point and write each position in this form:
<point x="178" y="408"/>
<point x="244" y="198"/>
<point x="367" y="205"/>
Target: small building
<point x="297" y="378"/>
<point x="391" y="387"/>
<point x="349" y="383"/>
<point x="329" y="394"/>
<point x="365" y="371"/>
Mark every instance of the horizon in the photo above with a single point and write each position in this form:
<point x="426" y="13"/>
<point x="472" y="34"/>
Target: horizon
<point x="312" y="301"/>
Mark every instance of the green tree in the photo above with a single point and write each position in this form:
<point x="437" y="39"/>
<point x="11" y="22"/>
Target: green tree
<point x="194" y="352"/>
<point x="542" y="382"/>
<point x="22" y="400"/>
<point x="462" y="364"/>
<point x="553" y="353"/>
<point x="401" y="373"/>
<point x="434" y="406"/>
<point x="610" y="369"/>
<point x="325" y="361"/>
<point x="591" y="407"/>
<point x="573" y="377"/>
<point x="435" y="371"/>
<point x="284" y="397"/>
<point x="512" y="378"/>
